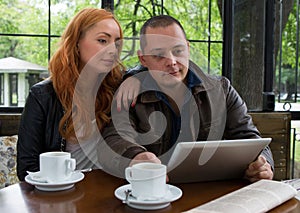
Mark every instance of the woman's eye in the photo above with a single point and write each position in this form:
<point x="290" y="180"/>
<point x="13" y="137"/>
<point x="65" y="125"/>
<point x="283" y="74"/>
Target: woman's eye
<point x="102" y="41"/>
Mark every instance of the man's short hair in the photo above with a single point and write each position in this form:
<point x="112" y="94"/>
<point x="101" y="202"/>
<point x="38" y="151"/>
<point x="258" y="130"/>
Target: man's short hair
<point x="157" y="21"/>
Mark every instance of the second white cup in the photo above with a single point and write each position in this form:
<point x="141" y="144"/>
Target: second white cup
<point x="56" y="166"/>
<point x="148" y="180"/>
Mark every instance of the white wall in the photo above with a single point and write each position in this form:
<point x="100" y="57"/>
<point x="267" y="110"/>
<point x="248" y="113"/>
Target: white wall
<point x="22" y="89"/>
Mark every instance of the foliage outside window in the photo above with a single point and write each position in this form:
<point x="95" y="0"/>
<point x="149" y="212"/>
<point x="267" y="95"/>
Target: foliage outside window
<point x="201" y="20"/>
<point x="33" y="36"/>
<point x="30" y="30"/>
<point x="287" y="52"/>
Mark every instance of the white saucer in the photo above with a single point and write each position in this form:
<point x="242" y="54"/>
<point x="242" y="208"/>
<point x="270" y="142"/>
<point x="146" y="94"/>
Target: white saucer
<point x="173" y="194"/>
<point x="67" y="184"/>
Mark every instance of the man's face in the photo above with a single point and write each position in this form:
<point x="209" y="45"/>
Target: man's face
<point x="166" y="54"/>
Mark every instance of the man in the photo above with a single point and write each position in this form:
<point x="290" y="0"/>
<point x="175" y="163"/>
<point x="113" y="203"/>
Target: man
<point x="178" y="102"/>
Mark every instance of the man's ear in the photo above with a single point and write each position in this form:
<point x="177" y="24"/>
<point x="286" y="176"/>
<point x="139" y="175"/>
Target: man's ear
<point x="141" y="58"/>
<point x="188" y="44"/>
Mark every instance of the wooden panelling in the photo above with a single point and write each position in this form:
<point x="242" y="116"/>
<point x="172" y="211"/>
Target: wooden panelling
<point x="9" y="124"/>
<point x="276" y="125"/>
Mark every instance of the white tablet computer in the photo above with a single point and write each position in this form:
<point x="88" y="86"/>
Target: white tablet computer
<point x="213" y="160"/>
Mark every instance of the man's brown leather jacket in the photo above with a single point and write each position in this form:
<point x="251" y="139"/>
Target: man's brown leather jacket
<point x="215" y="112"/>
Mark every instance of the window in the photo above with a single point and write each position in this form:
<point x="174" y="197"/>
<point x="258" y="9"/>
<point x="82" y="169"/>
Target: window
<point x="13" y="89"/>
<point x="2" y="88"/>
<point x="287" y="56"/>
<point x="33" y="79"/>
<point x="203" y="28"/>
<point x="33" y="36"/>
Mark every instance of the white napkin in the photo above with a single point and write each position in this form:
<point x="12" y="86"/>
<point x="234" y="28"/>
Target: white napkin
<point x="36" y="176"/>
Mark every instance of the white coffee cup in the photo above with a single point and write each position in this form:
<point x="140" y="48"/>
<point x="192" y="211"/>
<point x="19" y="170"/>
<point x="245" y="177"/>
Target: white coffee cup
<point x="148" y="180"/>
<point x="56" y="166"/>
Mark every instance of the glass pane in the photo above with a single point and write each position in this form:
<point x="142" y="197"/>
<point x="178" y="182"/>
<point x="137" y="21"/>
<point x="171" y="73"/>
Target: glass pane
<point x="195" y="15"/>
<point x="216" y="21"/>
<point x="287" y="77"/>
<point x="199" y="55"/>
<point x="24" y="17"/>
<point x="248" y="51"/>
<point x="195" y="22"/>
<point x="129" y="52"/>
<point x="35" y="17"/>
<point x="32" y="49"/>
<point x="216" y="58"/>
<point x="64" y="10"/>
<point x="209" y="63"/>
<point x="61" y="14"/>
<point x="13" y="89"/>
<point x="132" y="15"/>
<point x="25" y="56"/>
<point x="54" y="45"/>
<point x="8" y="44"/>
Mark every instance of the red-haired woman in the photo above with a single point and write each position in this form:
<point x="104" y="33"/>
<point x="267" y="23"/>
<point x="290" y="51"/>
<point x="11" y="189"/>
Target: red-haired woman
<point x="62" y="112"/>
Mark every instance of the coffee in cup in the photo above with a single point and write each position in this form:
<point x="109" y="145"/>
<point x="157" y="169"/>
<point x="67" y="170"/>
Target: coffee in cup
<point x="56" y="166"/>
<point x="148" y="180"/>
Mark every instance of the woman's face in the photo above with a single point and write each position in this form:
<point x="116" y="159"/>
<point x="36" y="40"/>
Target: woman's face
<point x="100" y="43"/>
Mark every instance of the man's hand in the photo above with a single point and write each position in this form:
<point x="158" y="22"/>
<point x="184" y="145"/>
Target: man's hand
<point x="145" y="157"/>
<point x="127" y="93"/>
<point x="259" y="169"/>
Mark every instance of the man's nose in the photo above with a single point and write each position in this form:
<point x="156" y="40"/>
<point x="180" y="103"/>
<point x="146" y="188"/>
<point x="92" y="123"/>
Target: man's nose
<point x="170" y="59"/>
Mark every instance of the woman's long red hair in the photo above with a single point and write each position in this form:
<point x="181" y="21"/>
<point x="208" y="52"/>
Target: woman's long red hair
<point x="65" y="71"/>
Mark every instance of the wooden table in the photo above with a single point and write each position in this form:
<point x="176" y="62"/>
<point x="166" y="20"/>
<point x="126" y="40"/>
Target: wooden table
<point x="95" y="193"/>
